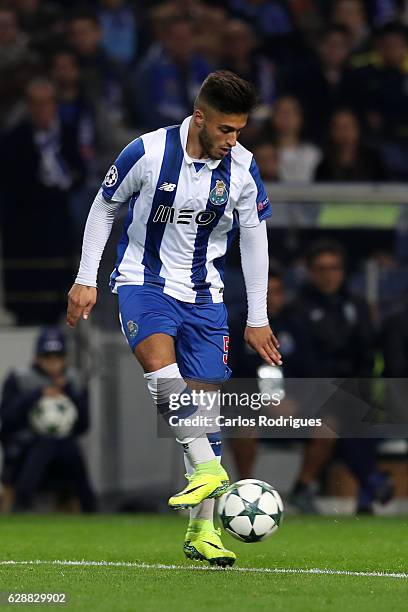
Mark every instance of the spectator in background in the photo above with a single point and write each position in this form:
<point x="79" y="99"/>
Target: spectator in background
<point x="288" y="328"/>
<point x="267" y="159"/>
<point x="103" y="78"/>
<point x="395" y="346"/>
<point x="18" y="64"/>
<point x="297" y="160"/>
<point x="240" y="55"/>
<point x="346" y="158"/>
<point x="394" y="341"/>
<point x="352" y="15"/>
<point x="391" y="280"/>
<point x="210" y="25"/>
<point x="307" y="16"/>
<point x="381" y="97"/>
<point x="384" y="11"/>
<point x="80" y="117"/>
<point x="341" y="336"/>
<point x="76" y="112"/>
<point x="42" y="21"/>
<point x="41" y="159"/>
<point x="269" y="17"/>
<point x="119" y="35"/>
<point x="324" y="83"/>
<point x="170" y="75"/>
<point x="274" y="26"/>
<point x="39" y="450"/>
<point x="245" y="363"/>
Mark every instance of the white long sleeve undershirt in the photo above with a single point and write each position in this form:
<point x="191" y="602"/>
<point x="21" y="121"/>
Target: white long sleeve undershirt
<point x="255" y="265"/>
<point x="97" y="230"/>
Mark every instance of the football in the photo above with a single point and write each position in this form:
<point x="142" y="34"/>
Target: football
<point x="250" y="510"/>
<point x="53" y="416"/>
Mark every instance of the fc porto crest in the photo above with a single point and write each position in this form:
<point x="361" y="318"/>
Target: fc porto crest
<point x="219" y="195"/>
<point x="133" y="328"/>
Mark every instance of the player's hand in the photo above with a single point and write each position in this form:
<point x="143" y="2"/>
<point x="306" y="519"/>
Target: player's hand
<point x="81" y="300"/>
<point x="60" y="382"/>
<point x="263" y="341"/>
<point x="51" y="391"/>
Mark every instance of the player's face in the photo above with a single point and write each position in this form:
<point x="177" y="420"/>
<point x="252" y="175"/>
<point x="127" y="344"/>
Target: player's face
<point x="219" y="132"/>
<point x="393" y="49"/>
<point x="84" y="35"/>
<point x="334" y="50"/>
<point x="52" y="364"/>
<point x="287" y="116"/>
<point x="327" y="273"/>
<point x="344" y="129"/>
<point x="65" y="69"/>
<point x="42" y="105"/>
<point x="8" y="27"/>
<point x="349" y="13"/>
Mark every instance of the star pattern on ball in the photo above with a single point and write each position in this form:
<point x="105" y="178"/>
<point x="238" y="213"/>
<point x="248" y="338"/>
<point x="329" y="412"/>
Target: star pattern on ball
<point x="251" y="510"/>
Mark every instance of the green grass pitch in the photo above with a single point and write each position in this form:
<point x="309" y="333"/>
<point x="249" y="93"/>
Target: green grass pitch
<point x="354" y="544"/>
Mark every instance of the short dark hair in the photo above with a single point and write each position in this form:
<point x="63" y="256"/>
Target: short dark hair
<point x="321" y="247"/>
<point x="334" y="28"/>
<point x="85" y="13"/>
<point x="226" y="92"/>
<point x="392" y="28"/>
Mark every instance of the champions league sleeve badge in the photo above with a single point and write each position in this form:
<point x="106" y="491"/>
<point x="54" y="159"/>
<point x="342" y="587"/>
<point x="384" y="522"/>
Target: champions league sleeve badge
<point x="111" y="177"/>
<point x="219" y="195"/>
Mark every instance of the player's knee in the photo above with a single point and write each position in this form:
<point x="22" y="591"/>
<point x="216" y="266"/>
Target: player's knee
<point x="154" y="364"/>
<point x="163" y="382"/>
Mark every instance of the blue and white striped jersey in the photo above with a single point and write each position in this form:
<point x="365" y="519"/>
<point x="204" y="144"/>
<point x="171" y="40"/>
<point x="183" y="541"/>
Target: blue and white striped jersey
<point x="181" y="216"/>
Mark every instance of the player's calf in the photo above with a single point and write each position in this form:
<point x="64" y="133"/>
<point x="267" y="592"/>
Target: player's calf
<point x="189" y="419"/>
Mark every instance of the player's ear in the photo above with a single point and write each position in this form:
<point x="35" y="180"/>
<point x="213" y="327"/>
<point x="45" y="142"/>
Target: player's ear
<point x="198" y="117"/>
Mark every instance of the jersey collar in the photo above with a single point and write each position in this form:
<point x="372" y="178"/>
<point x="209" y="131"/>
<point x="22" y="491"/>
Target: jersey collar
<point x="212" y="163"/>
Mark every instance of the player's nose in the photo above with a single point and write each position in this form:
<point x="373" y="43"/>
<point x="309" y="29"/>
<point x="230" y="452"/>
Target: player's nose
<point x="232" y="140"/>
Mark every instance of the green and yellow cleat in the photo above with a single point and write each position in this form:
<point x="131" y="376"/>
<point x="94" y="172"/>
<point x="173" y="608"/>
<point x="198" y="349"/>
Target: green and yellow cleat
<point x="202" y="484"/>
<point x="205" y="545"/>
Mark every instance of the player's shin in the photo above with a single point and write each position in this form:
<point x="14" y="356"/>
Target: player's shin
<point x="202" y="515"/>
<point x="185" y="416"/>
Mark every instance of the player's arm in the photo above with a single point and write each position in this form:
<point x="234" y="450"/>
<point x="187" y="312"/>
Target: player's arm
<point x="255" y="263"/>
<point x="123" y="179"/>
<point x="83" y="294"/>
<point x="253" y="208"/>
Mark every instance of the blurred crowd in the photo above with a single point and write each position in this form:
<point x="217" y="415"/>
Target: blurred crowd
<point x="80" y="79"/>
<point x="331" y="78"/>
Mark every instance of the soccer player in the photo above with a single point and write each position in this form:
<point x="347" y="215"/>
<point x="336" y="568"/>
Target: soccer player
<point x="188" y="188"/>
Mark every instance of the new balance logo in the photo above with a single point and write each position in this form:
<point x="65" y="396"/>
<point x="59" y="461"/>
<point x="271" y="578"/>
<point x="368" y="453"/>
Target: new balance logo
<point x="167" y="187"/>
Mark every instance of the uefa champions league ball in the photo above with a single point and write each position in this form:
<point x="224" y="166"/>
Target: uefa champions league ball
<point x="250" y="510"/>
<point x="53" y="416"/>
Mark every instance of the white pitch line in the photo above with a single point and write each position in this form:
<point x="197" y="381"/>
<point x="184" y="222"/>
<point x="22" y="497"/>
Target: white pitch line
<point x="257" y="570"/>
